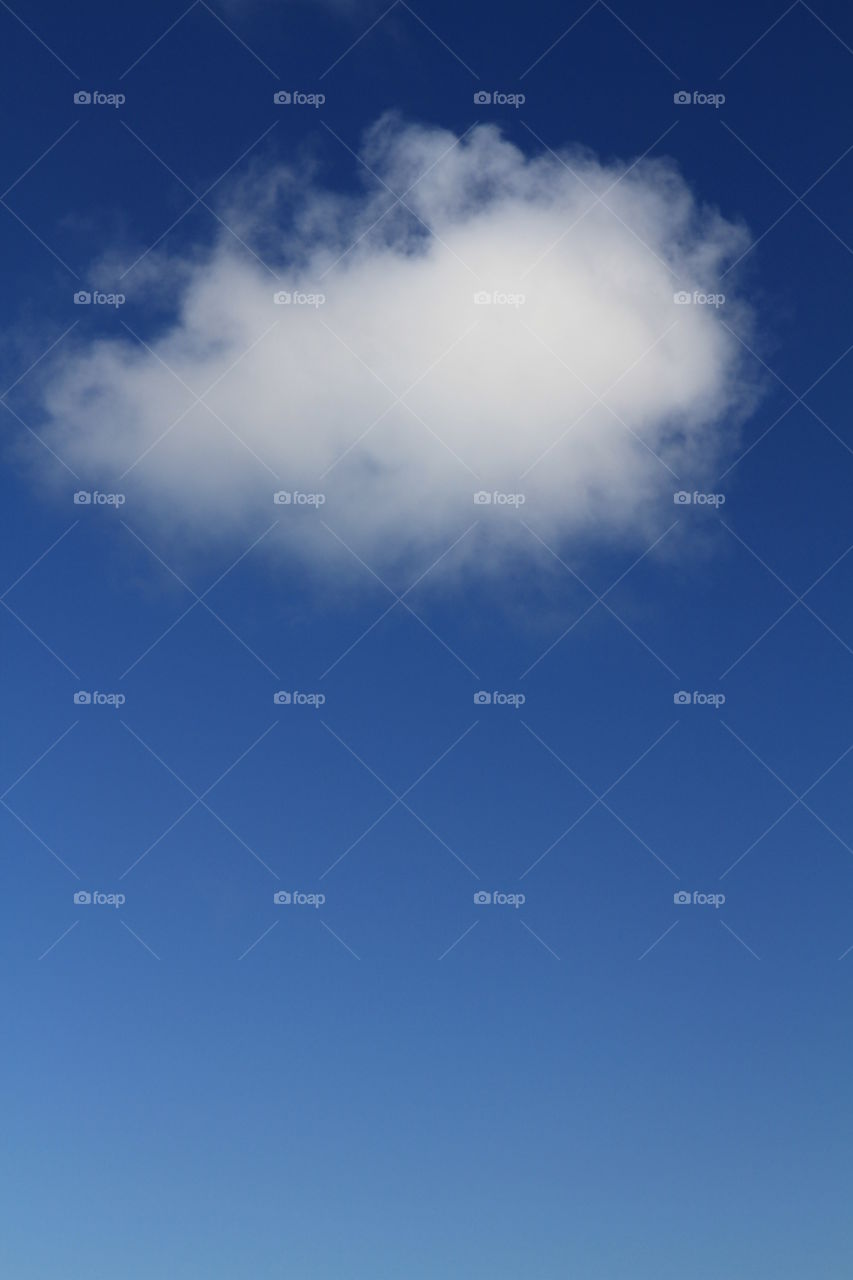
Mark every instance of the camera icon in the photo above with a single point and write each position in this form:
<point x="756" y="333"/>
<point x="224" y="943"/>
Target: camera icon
<point x="681" y="98"/>
<point x="681" y="898"/>
<point x="82" y="298"/>
<point x="681" y="498"/>
<point x="482" y="499"/>
<point x="482" y="299"/>
<point x="482" y="98"/>
<point x="282" y="298"/>
<point x="282" y="98"/>
<point x="82" y="498"/>
<point x="682" y="698"/>
<point x="82" y="698"/>
<point x="82" y="898"/>
<point x="682" y="298"/>
<point x="482" y="698"/>
<point x="482" y="898"/>
<point x="281" y="898"/>
<point x="282" y="698"/>
<point x="282" y="498"/>
<point x="82" y="97"/>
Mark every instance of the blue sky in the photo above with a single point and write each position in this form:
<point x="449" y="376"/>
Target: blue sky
<point x="580" y="1075"/>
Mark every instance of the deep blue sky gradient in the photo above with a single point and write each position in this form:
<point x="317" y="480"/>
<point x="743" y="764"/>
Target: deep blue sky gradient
<point x="377" y="1089"/>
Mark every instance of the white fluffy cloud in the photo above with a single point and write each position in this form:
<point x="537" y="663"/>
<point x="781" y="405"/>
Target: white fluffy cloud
<point x="400" y="396"/>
